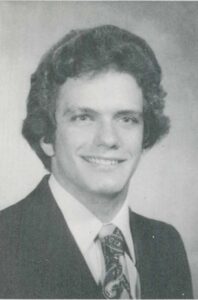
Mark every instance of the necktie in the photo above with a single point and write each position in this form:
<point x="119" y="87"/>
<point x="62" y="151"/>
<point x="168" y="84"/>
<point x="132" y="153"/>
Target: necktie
<point x="115" y="284"/>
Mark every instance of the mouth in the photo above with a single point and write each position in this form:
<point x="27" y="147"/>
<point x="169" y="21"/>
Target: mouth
<point x="103" y="161"/>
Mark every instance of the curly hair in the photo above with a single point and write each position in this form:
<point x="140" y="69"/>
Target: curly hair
<point x="93" y="50"/>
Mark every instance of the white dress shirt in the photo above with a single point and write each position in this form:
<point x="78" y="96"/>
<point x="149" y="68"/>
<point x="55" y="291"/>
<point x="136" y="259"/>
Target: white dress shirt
<point x="85" y="228"/>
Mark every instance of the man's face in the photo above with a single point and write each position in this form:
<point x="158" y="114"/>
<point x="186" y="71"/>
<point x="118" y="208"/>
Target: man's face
<point x="99" y="133"/>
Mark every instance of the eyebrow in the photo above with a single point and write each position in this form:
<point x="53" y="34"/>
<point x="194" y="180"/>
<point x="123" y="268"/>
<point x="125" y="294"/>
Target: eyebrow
<point x="136" y="113"/>
<point x="74" y="109"/>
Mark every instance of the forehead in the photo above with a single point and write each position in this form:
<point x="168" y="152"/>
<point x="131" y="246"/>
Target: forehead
<point x="106" y="91"/>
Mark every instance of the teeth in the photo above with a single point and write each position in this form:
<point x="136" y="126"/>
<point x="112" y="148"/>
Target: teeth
<point x="104" y="162"/>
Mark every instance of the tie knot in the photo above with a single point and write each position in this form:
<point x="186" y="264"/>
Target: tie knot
<point x="112" y="239"/>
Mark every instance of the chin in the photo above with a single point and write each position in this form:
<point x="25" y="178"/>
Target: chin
<point x="110" y="189"/>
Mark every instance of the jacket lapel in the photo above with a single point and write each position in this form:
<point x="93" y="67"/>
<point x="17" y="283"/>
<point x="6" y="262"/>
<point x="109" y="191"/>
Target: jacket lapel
<point x="62" y="268"/>
<point x="68" y="260"/>
<point x="144" y="253"/>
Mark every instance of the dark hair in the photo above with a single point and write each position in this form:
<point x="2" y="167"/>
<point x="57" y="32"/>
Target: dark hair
<point x="93" y="50"/>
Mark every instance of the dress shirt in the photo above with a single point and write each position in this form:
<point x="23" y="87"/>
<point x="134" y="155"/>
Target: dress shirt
<point x="85" y="228"/>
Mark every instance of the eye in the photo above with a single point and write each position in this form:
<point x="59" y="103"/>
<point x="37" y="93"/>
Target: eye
<point x="129" y="120"/>
<point x="81" y="118"/>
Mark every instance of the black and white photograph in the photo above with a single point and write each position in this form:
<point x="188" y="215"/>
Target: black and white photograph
<point x="99" y="150"/>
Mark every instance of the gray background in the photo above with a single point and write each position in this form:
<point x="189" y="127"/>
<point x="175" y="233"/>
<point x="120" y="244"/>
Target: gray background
<point x="165" y="186"/>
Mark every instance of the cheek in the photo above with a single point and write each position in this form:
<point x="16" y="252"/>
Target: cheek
<point x="78" y="135"/>
<point x="72" y="139"/>
<point x="132" y="141"/>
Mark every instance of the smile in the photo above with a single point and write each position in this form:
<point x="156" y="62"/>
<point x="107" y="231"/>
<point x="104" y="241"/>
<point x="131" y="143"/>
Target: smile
<point x="106" y="162"/>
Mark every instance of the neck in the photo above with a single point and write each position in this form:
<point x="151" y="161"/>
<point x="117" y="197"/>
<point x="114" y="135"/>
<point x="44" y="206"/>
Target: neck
<point x="103" y="206"/>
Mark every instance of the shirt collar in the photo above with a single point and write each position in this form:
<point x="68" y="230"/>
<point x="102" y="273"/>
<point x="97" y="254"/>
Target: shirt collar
<point x="84" y="225"/>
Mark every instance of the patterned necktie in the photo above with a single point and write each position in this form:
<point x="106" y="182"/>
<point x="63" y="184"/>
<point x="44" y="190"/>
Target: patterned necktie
<point x="115" y="284"/>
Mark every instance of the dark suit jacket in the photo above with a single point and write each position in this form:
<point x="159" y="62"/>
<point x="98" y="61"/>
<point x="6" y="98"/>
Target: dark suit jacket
<point x="40" y="259"/>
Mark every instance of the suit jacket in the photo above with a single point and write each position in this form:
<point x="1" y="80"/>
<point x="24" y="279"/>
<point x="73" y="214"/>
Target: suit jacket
<point x="40" y="259"/>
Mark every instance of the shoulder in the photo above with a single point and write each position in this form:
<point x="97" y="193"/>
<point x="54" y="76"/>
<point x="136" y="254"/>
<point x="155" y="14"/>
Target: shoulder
<point x="158" y="231"/>
<point x="161" y="240"/>
<point x="149" y="224"/>
<point x="13" y="216"/>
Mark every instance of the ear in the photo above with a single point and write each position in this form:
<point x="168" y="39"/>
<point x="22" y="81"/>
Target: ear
<point x="47" y="147"/>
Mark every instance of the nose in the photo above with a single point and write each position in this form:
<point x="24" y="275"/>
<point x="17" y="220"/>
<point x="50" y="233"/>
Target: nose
<point x="107" y="136"/>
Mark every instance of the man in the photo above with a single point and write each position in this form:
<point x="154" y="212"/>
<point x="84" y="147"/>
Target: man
<point x="95" y="103"/>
